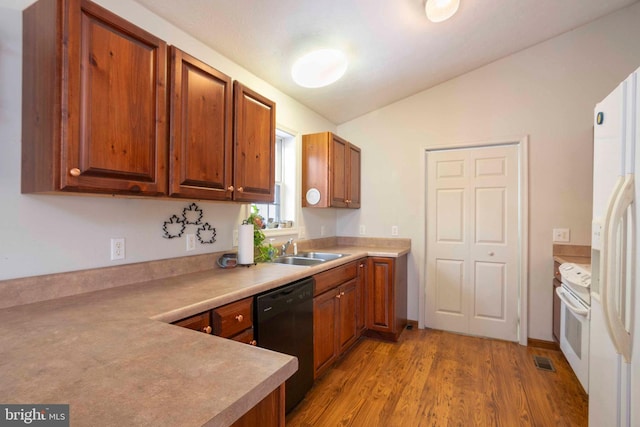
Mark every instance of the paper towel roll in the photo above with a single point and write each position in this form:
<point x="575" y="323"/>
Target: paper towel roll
<point x="245" y="244"/>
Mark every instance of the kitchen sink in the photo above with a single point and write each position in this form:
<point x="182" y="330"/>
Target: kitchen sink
<point x="307" y="258"/>
<point x="298" y="260"/>
<point x="325" y="256"/>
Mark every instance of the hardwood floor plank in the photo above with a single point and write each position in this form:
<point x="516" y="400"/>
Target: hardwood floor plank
<point x="435" y="378"/>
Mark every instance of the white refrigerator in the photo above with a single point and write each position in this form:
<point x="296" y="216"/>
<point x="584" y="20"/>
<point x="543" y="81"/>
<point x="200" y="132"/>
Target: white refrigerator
<point x="614" y="342"/>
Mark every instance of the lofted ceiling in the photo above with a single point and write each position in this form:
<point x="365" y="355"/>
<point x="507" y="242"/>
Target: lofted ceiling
<point x="394" y="50"/>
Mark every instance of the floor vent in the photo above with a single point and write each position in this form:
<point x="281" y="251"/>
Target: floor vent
<point x="543" y="363"/>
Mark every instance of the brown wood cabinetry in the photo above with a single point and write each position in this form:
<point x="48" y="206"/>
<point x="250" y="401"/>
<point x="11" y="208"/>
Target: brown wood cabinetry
<point x="200" y="129"/>
<point x="234" y="321"/>
<point x="93" y="102"/>
<point x="95" y="113"/>
<point x="200" y="322"/>
<point x="269" y="412"/>
<point x="330" y="165"/>
<point x="556" y="301"/>
<point x="254" y="145"/>
<point x="386" y="297"/>
<point x="334" y="315"/>
<point x="361" y="301"/>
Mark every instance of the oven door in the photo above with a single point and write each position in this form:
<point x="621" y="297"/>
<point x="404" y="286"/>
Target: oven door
<point x="574" y="333"/>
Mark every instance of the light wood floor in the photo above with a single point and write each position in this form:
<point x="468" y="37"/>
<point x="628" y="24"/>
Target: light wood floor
<point x="434" y="378"/>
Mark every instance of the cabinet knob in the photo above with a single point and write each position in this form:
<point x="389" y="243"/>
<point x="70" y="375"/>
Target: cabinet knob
<point x="362" y="265"/>
<point x="206" y="329"/>
<point x="491" y="253"/>
<point x="240" y="189"/>
<point x="253" y="342"/>
<point x="74" y="172"/>
<point x="239" y="317"/>
<point x="230" y="188"/>
<point x="338" y="296"/>
<point x="347" y="201"/>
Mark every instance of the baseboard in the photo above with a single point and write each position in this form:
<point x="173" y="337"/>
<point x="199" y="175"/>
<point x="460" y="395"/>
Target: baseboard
<point x="549" y="345"/>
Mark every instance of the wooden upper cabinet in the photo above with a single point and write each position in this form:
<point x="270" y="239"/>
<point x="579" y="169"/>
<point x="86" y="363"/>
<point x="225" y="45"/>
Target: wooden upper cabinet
<point x="94" y="102"/>
<point x="254" y="139"/>
<point x="200" y="129"/>
<point x="354" y="177"/>
<point x="330" y="165"/>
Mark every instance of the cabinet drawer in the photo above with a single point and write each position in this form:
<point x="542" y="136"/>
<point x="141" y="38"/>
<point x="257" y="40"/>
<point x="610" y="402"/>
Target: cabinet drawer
<point x="232" y="318"/>
<point x="245" y="336"/>
<point x="200" y="322"/>
<point x="334" y="277"/>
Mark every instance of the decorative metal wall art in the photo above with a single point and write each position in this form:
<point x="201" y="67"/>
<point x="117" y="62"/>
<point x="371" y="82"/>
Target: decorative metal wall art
<point x="191" y="216"/>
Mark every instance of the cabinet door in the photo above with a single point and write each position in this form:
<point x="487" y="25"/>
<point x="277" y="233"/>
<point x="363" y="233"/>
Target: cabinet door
<point x="361" y="295"/>
<point x="380" y="295"/>
<point x="354" y="177"/>
<point x="325" y="311"/>
<point x="254" y="146"/>
<point x="338" y="154"/>
<point x="200" y="322"/>
<point x="347" y="331"/>
<point x="200" y="129"/>
<point x="114" y="136"/>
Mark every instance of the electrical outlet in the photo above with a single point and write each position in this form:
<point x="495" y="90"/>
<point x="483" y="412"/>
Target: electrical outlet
<point x="191" y="242"/>
<point x="322" y="230"/>
<point x="394" y="230"/>
<point x="117" y="248"/>
<point x="561" y="235"/>
<point x="363" y="230"/>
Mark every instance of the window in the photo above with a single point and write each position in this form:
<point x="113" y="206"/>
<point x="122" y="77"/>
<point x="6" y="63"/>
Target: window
<point x="281" y="214"/>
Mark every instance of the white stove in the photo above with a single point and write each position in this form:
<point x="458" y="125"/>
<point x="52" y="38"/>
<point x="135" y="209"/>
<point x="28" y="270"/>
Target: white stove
<point x="575" y="318"/>
<point x="578" y="279"/>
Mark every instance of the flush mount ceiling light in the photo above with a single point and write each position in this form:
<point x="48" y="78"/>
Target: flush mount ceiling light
<point x="441" y="10"/>
<point x="319" y="68"/>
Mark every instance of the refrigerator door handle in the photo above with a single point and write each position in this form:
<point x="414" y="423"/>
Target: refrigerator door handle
<point x="613" y="279"/>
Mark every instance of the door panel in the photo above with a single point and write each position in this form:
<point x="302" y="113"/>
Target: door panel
<point x="472" y="220"/>
<point x="491" y="229"/>
<point x="449" y="282"/>
<point x="490" y="289"/>
<point x="450" y="215"/>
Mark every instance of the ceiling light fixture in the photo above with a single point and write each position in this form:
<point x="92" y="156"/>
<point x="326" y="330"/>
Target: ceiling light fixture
<point x="319" y="68"/>
<point x="441" y="10"/>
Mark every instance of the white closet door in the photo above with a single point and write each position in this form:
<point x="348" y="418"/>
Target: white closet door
<point x="472" y="241"/>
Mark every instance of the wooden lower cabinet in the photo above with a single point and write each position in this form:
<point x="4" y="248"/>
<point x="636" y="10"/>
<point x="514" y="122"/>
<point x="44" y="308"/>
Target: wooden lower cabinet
<point x="361" y="301"/>
<point x="386" y="297"/>
<point x="556" y="302"/>
<point x="334" y="324"/>
<point x="200" y="322"/>
<point x="269" y="412"/>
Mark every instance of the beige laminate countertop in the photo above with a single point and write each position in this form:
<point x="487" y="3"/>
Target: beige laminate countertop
<point x="113" y="356"/>
<point x="582" y="260"/>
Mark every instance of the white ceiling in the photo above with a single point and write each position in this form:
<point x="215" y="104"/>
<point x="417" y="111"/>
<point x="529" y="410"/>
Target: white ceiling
<point x="394" y="50"/>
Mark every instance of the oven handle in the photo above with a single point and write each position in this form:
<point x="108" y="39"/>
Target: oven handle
<point x="564" y="297"/>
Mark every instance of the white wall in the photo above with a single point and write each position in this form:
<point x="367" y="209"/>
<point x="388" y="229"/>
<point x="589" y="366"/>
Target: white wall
<point x="46" y="234"/>
<point x="547" y="92"/>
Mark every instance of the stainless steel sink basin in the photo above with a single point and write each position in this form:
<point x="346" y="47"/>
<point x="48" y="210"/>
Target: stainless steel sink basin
<point x="307" y="258"/>
<point x="325" y="256"/>
<point x="298" y="260"/>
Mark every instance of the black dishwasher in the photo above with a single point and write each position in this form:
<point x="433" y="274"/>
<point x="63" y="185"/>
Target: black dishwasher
<point x="283" y="322"/>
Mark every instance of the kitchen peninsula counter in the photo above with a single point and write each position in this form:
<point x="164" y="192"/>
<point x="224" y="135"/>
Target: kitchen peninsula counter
<point x="114" y="357"/>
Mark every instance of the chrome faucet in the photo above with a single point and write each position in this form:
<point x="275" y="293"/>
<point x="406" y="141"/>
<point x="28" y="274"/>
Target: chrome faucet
<point x="286" y="245"/>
